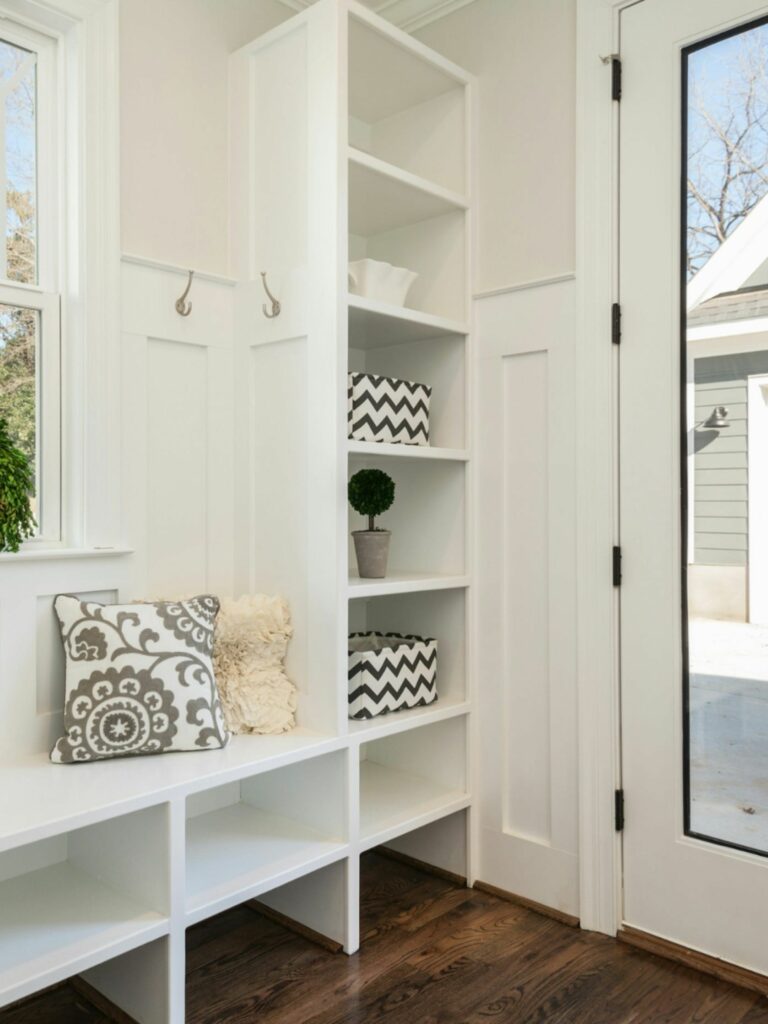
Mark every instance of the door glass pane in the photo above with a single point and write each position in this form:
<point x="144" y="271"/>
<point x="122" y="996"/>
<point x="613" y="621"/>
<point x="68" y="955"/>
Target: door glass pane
<point x="19" y="385"/>
<point x="725" y="473"/>
<point x="18" y="162"/>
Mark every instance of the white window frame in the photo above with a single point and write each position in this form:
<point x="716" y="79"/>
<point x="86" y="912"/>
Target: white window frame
<point x="79" y="276"/>
<point x="44" y="295"/>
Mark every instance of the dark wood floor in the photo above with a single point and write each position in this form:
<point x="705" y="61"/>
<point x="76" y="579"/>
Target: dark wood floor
<point x="432" y="954"/>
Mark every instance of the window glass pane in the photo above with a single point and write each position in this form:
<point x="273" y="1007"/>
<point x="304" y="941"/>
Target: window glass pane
<point x="18" y="173"/>
<point x="725" y="369"/>
<point x="19" y="333"/>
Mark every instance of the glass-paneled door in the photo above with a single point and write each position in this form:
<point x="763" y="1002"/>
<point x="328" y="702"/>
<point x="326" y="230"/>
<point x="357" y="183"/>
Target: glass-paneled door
<point x="694" y="473"/>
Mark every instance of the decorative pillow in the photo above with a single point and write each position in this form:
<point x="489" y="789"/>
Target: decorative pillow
<point x="250" y="645"/>
<point x="139" y="679"/>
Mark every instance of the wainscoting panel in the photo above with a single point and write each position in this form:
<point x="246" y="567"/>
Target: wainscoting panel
<point x="177" y="432"/>
<point x="31" y="659"/>
<point x="525" y="644"/>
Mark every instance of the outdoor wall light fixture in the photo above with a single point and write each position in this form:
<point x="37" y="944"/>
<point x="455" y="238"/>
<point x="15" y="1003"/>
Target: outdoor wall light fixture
<point x="718" y="418"/>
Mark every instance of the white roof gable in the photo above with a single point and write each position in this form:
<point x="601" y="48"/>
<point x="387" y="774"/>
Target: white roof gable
<point x="742" y="259"/>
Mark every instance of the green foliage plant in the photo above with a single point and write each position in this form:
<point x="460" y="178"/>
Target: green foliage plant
<point x="16" y="485"/>
<point x="371" y="492"/>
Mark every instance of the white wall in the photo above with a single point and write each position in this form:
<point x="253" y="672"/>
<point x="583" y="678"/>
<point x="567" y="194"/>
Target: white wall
<point x="174" y="67"/>
<point x="524" y="54"/>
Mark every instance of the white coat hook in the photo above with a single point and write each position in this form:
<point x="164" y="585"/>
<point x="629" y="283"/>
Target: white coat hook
<point x="275" y="304"/>
<point x="184" y="308"/>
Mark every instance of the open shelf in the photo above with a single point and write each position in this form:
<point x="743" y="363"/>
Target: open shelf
<point x="74" y="901"/>
<point x="374" y="324"/>
<point x="427" y="519"/>
<point x="434" y="247"/>
<point x="406" y="104"/>
<point x="412" y="718"/>
<point x="440" y="614"/>
<point x="393" y="802"/>
<point x="404" y="583"/>
<point x="441" y="363"/>
<point x="240" y="851"/>
<point x="408" y="779"/>
<point x="250" y="836"/>
<point x="59" y="921"/>
<point x="378" y="449"/>
<point x="383" y="198"/>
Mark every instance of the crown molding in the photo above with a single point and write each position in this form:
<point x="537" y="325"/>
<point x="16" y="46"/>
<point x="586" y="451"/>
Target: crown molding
<point x="409" y="15"/>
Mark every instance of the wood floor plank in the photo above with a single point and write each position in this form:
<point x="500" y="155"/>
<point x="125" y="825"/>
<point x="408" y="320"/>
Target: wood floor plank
<point x="433" y="953"/>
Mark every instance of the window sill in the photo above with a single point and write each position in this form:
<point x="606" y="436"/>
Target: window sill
<point x="61" y="554"/>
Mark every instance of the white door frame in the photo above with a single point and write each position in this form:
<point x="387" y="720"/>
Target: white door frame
<point x="597" y="274"/>
<point x="597" y="505"/>
<point x="757" y="449"/>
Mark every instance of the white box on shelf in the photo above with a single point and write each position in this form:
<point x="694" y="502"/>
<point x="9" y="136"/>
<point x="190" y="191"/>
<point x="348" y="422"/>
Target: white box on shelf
<point x="390" y="672"/>
<point x="387" y="409"/>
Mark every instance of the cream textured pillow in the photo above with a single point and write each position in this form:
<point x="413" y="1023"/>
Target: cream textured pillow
<point x="139" y="679"/>
<point x="250" y="645"/>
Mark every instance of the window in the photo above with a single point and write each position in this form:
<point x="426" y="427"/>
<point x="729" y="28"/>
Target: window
<point x="30" y="339"/>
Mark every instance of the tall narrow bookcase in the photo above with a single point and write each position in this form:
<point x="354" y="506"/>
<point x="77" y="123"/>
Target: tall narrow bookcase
<point x="352" y="140"/>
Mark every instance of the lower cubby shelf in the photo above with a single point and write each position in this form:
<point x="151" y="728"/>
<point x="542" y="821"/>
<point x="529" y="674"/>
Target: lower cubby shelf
<point x="71" y="902"/>
<point x="393" y="802"/>
<point x="99" y="900"/>
<point x="239" y="852"/>
<point x="247" y="837"/>
<point x="410" y="779"/>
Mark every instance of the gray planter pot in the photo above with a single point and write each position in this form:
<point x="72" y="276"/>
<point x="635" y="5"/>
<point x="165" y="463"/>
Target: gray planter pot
<point x="372" y="550"/>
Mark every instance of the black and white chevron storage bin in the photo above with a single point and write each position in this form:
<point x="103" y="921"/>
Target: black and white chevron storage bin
<point x="387" y="409"/>
<point x="390" y="672"/>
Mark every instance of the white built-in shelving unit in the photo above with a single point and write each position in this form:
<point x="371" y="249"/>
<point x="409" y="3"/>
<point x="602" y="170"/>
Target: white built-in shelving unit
<point x="349" y="139"/>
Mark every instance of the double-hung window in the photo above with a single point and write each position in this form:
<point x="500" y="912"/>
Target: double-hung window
<point x="30" y="335"/>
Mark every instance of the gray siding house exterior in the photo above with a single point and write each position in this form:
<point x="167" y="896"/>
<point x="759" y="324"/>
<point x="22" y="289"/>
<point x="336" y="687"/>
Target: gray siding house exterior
<point x="721" y="484"/>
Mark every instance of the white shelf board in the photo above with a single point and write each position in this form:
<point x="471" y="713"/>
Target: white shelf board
<point x="390" y="71"/>
<point x="394" y="802"/>
<point x="407" y="451"/>
<point x="374" y="324"/>
<point x="41" y="799"/>
<point x="402" y="721"/>
<point x="404" y="583"/>
<point x="59" y="921"/>
<point x="383" y="197"/>
<point x="240" y="851"/>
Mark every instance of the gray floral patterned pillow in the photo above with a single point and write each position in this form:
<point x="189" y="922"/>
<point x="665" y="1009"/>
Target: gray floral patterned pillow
<point x="139" y="679"/>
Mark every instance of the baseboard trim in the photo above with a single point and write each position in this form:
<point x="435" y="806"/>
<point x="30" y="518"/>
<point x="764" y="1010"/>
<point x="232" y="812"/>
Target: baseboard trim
<point x="295" y="926"/>
<point x="422" y="865"/>
<point x="100" y="1002"/>
<point x="703" y="962"/>
<point x="523" y="901"/>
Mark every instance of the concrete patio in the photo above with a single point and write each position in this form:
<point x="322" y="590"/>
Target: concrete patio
<point x="729" y="731"/>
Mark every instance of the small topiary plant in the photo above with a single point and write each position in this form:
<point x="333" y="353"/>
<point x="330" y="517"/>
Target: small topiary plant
<point x="16" y="485"/>
<point x="371" y="492"/>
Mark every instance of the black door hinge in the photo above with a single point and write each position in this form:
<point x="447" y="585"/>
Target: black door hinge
<point x="617" y="566"/>
<point x="616" y="323"/>
<point x="616" y="78"/>
<point x="618" y="809"/>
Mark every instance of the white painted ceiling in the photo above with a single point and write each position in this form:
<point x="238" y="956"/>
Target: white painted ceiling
<point x="407" y="14"/>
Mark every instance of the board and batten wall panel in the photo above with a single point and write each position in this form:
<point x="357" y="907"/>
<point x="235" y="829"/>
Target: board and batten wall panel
<point x="178" y="430"/>
<point x="526" y="612"/>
